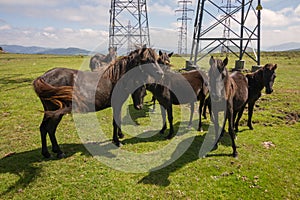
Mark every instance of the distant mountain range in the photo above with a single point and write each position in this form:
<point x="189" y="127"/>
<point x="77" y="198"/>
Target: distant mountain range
<point x="43" y="50"/>
<point x="291" y="46"/>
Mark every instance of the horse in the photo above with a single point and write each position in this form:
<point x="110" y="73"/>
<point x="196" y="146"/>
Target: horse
<point x="257" y="81"/>
<point x="63" y="91"/>
<point x="190" y="85"/>
<point x="100" y="60"/>
<point x="232" y="90"/>
<point x="164" y="60"/>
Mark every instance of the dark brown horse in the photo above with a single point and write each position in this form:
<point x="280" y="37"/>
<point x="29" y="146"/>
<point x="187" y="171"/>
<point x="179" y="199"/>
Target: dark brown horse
<point x="64" y="90"/>
<point x="232" y="90"/>
<point x="262" y="78"/>
<point x="100" y="60"/>
<point x="176" y="89"/>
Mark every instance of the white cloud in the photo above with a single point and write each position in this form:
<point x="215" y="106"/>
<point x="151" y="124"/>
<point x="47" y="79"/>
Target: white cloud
<point x="159" y="9"/>
<point x="29" y="2"/>
<point x="297" y="10"/>
<point x="5" y="27"/>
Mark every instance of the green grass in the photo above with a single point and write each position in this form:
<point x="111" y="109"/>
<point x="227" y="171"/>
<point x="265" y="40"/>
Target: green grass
<point x="258" y="173"/>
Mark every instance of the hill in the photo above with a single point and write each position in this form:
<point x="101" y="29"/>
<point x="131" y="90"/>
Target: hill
<point x="43" y="50"/>
<point x="290" y="46"/>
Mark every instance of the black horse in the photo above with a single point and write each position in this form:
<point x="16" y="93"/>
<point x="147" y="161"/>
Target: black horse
<point x="263" y="77"/>
<point x="100" y="60"/>
<point x="62" y="91"/>
<point x="232" y="90"/>
<point x="164" y="60"/>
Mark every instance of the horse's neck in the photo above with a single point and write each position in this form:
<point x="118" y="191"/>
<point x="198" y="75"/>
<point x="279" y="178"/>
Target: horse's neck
<point x="257" y="80"/>
<point x="115" y="70"/>
<point x="108" y="58"/>
<point x="230" y="85"/>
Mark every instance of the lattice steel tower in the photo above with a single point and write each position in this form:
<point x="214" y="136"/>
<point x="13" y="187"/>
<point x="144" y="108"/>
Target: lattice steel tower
<point x="183" y="28"/>
<point x="128" y="24"/>
<point x="242" y="31"/>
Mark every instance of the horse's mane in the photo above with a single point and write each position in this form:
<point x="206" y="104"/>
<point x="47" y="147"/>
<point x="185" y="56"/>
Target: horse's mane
<point x="117" y="68"/>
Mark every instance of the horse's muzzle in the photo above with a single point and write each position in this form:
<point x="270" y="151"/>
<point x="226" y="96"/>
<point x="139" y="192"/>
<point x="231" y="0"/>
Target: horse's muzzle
<point x="269" y="91"/>
<point x="138" y="107"/>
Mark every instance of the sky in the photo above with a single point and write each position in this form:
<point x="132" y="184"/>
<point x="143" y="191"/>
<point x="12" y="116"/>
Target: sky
<point x="85" y="23"/>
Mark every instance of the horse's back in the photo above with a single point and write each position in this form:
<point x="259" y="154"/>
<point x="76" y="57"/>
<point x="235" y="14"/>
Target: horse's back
<point x="198" y="81"/>
<point x="241" y="93"/>
<point x="59" y="76"/>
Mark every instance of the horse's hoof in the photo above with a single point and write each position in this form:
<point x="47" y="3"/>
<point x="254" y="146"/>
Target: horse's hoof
<point x="61" y="155"/>
<point x="189" y="127"/>
<point x="46" y="154"/>
<point x="161" y="132"/>
<point x="215" y="147"/>
<point x="169" y="137"/>
<point x="235" y="154"/>
<point x="121" y="135"/>
<point x="118" y="144"/>
<point x="200" y="129"/>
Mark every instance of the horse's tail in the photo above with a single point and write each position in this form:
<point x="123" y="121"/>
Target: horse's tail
<point x="61" y="97"/>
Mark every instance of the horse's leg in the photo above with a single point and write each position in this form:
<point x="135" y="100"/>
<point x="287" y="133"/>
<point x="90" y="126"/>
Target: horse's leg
<point x="154" y="101"/>
<point x="250" y="113"/>
<point x="116" y="140"/>
<point x="120" y="134"/>
<point x="236" y="122"/>
<point x="170" y="118"/>
<point x="163" y="115"/>
<point x="201" y="103"/>
<point x="230" y="116"/>
<point x="51" y="127"/>
<point x="205" y="105"/>
<point x="43" y="131"/>
<point x="191" y="114"/>
<point x="215" y="120"/>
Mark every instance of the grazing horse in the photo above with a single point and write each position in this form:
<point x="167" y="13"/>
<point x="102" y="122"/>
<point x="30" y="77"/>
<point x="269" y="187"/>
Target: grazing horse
<point x="263" y="77"/>
<point x="190" y="86"/>
<point x="164" y="60"/>
<point x="232" y="90"/>
<point x="62" y="91"/>
<point x="100" y="60"/>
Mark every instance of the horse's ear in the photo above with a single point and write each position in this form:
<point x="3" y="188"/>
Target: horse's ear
<point x="170" y="54"/>
<point x="266" y="66"/>
<point x="275" y="67"/>
<point x="144" y="46"/>
<point x="160" y="53"/>
<point x="225" y="61"/>
<point x="211" y="61"/>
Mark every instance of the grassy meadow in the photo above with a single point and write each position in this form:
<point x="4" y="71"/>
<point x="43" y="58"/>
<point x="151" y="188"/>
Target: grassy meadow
<point x="268" y="165"/>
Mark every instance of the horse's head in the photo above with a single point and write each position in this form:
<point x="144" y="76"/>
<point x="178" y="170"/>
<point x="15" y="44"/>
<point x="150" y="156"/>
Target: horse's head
<point x="139" y="94"/>
<point x="112" y="53"/>
<point x="217" y="74"/>
<point x="269" y="76"/>
<point x="147" y="61"/>
<point x="164" y="58"/>
<point x="138" y="97"/>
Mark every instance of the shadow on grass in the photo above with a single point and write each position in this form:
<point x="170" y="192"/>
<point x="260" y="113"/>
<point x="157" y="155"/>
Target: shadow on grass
<point x="161" y="177"/>
<point x="134" y="114"/>
<point x="27" y="165"/>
